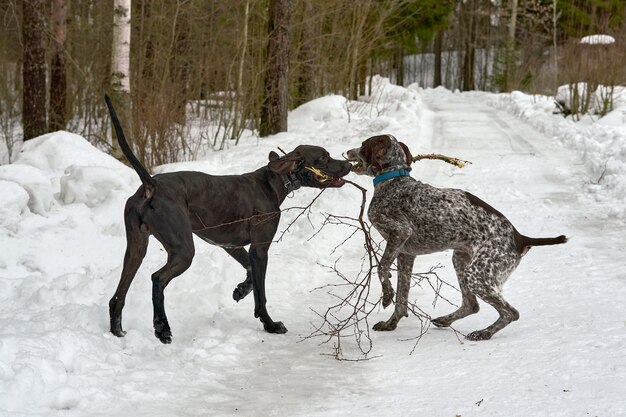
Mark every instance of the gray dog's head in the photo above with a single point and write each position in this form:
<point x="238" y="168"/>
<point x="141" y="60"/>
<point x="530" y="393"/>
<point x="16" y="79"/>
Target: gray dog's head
<point x="311" y="166"/>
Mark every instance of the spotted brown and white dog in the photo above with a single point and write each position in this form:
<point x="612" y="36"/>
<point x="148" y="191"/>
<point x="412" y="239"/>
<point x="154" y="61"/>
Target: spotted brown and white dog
<point x="417" y="219"/>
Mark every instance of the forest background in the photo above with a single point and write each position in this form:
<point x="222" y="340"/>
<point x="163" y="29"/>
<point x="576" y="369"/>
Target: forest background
<point x="200" y="73"/>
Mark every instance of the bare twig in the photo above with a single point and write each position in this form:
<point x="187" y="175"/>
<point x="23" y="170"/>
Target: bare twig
<point x="454" y="161"/>
<point x="306" y="209"/>
<point x="348" y="316"/>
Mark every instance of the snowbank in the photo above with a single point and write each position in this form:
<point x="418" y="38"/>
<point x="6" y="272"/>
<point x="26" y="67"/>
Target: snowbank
<point x="600" y="143"/>
<point x="65" y="168"/>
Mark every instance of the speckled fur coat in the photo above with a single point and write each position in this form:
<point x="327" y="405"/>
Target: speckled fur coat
<point x="416" y="219"/>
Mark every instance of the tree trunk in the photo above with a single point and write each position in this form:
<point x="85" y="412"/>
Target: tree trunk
<point x="58" y="75"/>
<point x="554" y="46"/>
<point x="238" y="106"/>
<point x="469" y="57"/>
<point x="305" y="81"/>
<point x="510" y="48"/>
<point x="359" y="22"/>
<point x="362" y="76"/>
<point x="179" y="63"/>
<point x="120" y="68"/>
<point x="437" y="50"/>
<point x="34" y="68"/>
<point x="399" y="64"/>
<point x="274" y="108"/>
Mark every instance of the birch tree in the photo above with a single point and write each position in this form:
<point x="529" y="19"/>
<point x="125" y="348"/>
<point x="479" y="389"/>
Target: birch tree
<point x="120" y="66"/>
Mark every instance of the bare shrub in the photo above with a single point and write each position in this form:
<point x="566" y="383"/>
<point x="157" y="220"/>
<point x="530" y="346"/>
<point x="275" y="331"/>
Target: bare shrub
<point x="591" y="72"/>
<point x="347" y="320"/>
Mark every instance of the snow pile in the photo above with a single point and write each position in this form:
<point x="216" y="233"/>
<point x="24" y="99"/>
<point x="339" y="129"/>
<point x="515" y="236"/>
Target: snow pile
<point x="390" y="109"/>
<point x="14" y="202"/>
<point x="322" y="110"/>
<point x="600" y="143"/>
<point x="598" y="40"/>
<point x="598" y="101"/>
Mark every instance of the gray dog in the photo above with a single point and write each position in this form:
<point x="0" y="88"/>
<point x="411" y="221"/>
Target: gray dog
<point x="230" y="211"/>
<point x="417" y="219"/>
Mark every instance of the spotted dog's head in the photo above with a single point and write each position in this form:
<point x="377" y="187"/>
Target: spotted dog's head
<point x="310" y="166"/>
<point x="380" y="154"/>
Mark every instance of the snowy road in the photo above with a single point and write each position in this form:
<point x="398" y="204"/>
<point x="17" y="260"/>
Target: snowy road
<point x="564" y="357"/>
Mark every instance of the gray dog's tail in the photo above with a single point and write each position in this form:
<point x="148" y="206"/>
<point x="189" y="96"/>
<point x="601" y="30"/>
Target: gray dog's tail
<point x="144" y="175"/>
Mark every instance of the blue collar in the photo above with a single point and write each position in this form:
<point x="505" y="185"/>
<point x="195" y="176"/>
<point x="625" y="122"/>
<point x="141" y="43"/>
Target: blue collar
<point x="392" y="174"/>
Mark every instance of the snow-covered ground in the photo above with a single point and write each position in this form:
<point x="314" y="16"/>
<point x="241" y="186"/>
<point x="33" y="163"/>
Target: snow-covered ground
<point x="62" y="243"/>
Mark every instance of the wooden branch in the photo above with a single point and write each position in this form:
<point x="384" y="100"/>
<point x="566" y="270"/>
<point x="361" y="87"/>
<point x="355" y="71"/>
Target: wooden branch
<point x="454" y="161"/>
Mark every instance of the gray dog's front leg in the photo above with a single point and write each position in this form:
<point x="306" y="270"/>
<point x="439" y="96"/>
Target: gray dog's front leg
<point x="258" y="259"/>
<point x="243" y="288"/>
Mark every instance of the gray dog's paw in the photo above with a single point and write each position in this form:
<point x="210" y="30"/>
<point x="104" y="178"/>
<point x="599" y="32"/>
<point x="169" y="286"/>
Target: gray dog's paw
<point x="276" y="327"/>
<point x="241" y="291"/>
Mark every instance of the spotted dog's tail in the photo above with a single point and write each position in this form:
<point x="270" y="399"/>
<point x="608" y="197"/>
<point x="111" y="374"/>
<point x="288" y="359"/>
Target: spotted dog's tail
<point x="524" y="243"/>
<point x="543" y="241"/>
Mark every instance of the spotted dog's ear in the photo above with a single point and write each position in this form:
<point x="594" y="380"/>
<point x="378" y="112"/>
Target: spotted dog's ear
<point x="407" y="152"/>
<point x="374" y="150"/>
<point x="378" y="157"/>
<point x="287" y="163"/>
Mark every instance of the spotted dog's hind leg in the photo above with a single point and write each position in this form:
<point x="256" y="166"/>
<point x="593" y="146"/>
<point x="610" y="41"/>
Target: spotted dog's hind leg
<point x="485" y="277"/>
<point x="469" y="304"/>
<point x="507" y="314"/>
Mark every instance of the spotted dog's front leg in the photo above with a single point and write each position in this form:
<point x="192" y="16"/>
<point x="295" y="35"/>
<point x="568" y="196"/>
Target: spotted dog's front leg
<point x="396" y="233"/>
<point x="405" y="267"/>
<point x="384" y="275"/>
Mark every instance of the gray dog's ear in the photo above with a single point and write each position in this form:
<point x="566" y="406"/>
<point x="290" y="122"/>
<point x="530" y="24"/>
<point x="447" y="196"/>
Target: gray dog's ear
<point x="287" y="163"/>
<point x="273" y="156"/>
<point x="407" y="152"/>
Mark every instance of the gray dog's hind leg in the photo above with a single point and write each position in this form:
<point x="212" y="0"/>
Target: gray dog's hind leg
<point x="136" y="247"/>
<point x="176" y="265"/>
<point x="174" y="233"/>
